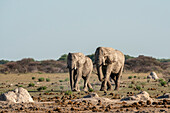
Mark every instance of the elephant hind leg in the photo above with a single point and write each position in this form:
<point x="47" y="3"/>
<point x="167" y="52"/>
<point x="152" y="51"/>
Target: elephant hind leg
<point x="109" y="86"/>
<point x="117" y="84"/>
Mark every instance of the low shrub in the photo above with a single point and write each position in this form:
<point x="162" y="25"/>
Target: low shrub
<point x="61" y="80"/>
<point x="163" y="83"/>
<point x="41" y="79"/>
<point x="39" y="72"/>
<point x="31" y="85"/>
<point x="134" y="76"/>
<point x="61" y="87"/>
<point x="81" y="87"/>
<point x="143" y="83"/>
<point x="68" y="92"/>
<point x="20" y="86"/>
<point x="138" y="87"/>
<point x="91" y="90"/>
<point x="33" y="78"/>
<point x="41" y="88"/>
<point x="144" y="77"/>
<point x="67" y="79"/>
<point x="161" y="80"/>
<point x="133" y="82"/>
<point x="130" y="86"/>
<point x="47" y="80"/>
<point x="130" y="77"/>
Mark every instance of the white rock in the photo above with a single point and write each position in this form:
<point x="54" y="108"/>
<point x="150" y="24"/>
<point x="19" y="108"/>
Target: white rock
<point x="149" y="77"/>
<point x="144" y="96"/>
<point x="19" y="95"/>
<point x="91" y="95"/>
<point x="154" y="75"/>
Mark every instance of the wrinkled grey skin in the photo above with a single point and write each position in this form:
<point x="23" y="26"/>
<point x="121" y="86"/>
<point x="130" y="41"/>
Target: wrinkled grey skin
<point x="79" y="66"/>
<point x="109" y="63"/>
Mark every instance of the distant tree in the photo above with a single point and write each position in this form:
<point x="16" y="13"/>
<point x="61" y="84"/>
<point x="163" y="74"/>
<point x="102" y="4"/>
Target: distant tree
<point x="63" y="58"/>
<point x="128" y="57"/>
<point x="164" y="60"/>
<point x="3" y="61"/>
<point x="91" y="57"/>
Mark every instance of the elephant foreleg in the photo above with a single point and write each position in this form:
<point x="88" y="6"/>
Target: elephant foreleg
<point x="71" y="78"/>
<point x="79" y="74"/>
<point x="86" y="82"/>
<point x="106" y="81"/>
<point x="89" y="86"/>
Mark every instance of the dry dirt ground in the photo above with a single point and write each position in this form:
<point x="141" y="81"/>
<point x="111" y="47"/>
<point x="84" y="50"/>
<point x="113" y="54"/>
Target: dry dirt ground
<point x="57" y="97"/>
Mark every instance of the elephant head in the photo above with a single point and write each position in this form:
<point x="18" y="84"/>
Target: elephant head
<point x="103" y="57"/>
<point x="74" y="62"/>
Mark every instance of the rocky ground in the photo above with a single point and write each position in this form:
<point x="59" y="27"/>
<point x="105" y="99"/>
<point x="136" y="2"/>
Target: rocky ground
<point x="58" y="99"/>
<point x="90" y="103"/>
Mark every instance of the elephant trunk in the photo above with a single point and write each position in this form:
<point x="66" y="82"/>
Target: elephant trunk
<point x="100" y="73"/>
<point x="71" y="77"/>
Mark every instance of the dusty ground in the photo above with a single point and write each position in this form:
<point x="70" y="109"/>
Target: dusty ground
<point x="55" y="98"/>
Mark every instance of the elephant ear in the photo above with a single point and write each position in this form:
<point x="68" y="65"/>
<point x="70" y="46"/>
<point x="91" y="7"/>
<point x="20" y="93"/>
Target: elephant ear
<point x="68" y="59"/>
<point x="81" y="59"/>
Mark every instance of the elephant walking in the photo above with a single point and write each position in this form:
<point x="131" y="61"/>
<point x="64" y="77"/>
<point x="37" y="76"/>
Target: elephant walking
<point x="79" y="66"/>
<point x="109" y="63"/>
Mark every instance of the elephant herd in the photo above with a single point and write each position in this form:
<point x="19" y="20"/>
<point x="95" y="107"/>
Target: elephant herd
<point x="109" y="64"/>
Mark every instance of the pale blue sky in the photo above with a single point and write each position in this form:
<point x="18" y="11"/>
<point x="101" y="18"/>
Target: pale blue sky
<point x="46" y="29"/>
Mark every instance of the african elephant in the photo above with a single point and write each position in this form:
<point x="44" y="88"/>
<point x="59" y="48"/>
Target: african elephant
<point x="110" y="63"/>
<point x="79" y="66"/>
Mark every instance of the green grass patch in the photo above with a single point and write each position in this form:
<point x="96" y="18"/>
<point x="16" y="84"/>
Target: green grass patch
<point x="42" y="88"/>
<point x="31" y="85"/>
<point x="41" y="79"/>
<point x="130" y="77"/>
<point x="48" y="80"/>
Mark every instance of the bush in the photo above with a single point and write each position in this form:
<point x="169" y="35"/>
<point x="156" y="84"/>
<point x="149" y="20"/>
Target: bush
<point x="67" y="79"/>
<point x="47" y="80"/>
<point x="161" y="80"/>
<point x="41" y="88"/>
<point x="31" y="85"/>
<point x="63" y="58"/>
<point x="61" y="81"/>
<point x="130" y="77"/>
<point x="134" y="76"/>
<point x="144" y="77"/>
<point x="91" y="90"/>
<point x="41" y="79"/>
<point x="39" y="72"/>
<point x="130" y="86"/>
<point x="143" y="83"/>
<point x="138" y="77"/>
<point x="138" y="87"/>
<point x="81" y="87"/>
<point x="148" y="81"/>
<point x="20" y="86"/>
<point x="61" y="87"/>
<point x="68" y="92"/>
<point x="33" y="78"/>
<point x="163" y="83"/>
<point x="133" y="82"/>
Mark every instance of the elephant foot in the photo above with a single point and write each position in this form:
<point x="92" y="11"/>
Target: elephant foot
<point x="109" y="89"/>
<point x="76" y="90"/>
<point x="103" y="89"/>
<point x="116" y="89"/>
<point x="85" y="89"/>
